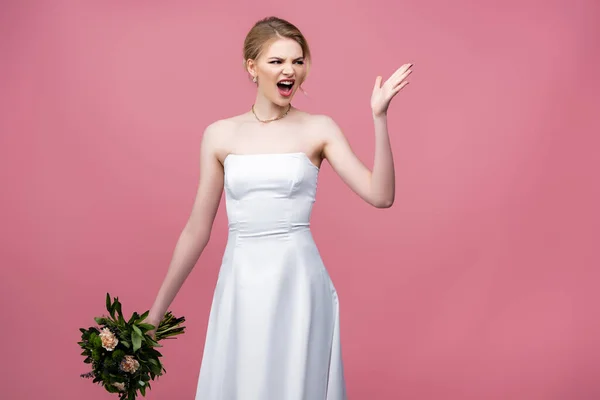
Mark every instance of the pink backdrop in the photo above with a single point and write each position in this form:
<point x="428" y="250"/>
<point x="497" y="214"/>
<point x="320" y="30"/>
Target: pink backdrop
<point x="480" y="283"/>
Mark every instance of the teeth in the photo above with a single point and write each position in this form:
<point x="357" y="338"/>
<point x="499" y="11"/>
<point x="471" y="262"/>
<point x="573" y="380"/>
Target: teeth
<point x="286" y="83"/>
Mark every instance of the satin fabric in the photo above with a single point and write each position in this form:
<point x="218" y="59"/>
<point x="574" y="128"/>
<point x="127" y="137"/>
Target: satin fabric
<point x="273" y="331"/>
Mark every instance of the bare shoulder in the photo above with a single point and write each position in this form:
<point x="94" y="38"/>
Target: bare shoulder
<point x="221" y="127"/>
<point x="219" y="134"/>
<point x="324" y="126"/>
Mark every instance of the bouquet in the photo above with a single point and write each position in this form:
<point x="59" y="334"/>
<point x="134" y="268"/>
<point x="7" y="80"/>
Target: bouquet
<point x="122" y="355"/>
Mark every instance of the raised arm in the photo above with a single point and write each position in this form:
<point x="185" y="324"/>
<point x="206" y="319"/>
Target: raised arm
<point x="376" y="186"/>
<point x="196" y="232"/>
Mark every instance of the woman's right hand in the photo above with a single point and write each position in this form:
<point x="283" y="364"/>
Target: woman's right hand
<point x="155" y="323"/>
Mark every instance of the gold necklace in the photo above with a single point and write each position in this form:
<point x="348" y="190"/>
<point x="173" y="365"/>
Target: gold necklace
<point x="272" y="119"/>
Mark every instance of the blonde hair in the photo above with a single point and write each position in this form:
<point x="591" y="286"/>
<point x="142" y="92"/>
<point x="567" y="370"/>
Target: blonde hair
<point x="271" y="28"/>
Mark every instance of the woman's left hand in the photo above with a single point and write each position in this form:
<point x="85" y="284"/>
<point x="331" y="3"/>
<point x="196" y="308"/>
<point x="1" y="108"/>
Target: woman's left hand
<point x="383" y="94"/>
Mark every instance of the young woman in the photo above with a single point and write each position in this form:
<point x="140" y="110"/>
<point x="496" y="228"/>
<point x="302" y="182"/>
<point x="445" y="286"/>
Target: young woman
<point x="273" y="330"/>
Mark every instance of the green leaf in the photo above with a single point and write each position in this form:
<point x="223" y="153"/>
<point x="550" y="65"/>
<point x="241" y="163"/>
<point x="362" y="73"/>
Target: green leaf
<point x="116" y="303"/>
<point x="134" y="317"/>
<point x="108" y="303"/>
<point x="110" y="388"/>
<point x="136" y="340"/>
<point x="143" y="316"/>
<point x="147" y="327"/>
<point x="119" y="311"/>
<point x="118" y="355"/>
<point x="155" y="367"/>
<point x="136" y="330"/>
<point x="152" y="342"/>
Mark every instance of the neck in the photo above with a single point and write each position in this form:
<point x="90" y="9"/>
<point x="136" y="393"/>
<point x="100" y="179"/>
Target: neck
<point x="266" y="109"/>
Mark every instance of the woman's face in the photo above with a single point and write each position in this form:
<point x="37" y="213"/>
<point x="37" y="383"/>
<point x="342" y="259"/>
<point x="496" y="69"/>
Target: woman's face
<point x="280" y="70"/>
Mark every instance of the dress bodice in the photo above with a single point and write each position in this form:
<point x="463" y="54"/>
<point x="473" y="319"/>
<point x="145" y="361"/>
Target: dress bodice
<point x="269" y="193"/>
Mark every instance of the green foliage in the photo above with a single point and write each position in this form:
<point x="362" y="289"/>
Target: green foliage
<point x="132" y="343"/>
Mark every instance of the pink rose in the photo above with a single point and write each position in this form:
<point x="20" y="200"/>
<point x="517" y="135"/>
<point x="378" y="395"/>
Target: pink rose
<point x="109" y="340"/>
<point x="129" y="364"/>
<point x="120" y="386"/>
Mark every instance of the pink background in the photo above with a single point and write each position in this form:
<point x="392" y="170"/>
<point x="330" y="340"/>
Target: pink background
<point x="480" y="283"/>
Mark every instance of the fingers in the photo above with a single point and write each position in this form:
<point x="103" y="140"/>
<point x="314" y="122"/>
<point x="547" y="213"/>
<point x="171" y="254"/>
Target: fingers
<point x="402" y="70"/>
<point x="378" y="82"/>
<point x="399" y="87"/>
<point x="402" y="77"/>
<point x="398" y="77"/>
<point x="397" y="80"/>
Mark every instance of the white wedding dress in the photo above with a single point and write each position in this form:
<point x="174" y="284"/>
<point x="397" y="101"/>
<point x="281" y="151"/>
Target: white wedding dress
<point x="273" y="331"/>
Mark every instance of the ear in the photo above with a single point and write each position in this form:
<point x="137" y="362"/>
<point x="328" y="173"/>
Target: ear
<point x="251" y="67"/>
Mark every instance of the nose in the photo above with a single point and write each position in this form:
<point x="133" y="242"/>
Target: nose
<point x="287" y="69"/>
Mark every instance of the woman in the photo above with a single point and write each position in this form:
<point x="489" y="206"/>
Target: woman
<point x="273" y="329"/>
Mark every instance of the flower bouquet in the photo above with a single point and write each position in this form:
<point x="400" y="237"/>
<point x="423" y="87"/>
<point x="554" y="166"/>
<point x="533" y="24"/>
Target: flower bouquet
<point x="121" y="352"/>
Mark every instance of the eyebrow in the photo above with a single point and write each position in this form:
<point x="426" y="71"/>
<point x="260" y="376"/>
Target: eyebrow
<point x="280" y="58"/>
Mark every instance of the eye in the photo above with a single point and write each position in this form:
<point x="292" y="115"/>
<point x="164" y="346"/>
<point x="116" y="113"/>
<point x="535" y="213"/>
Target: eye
<point x="299" y="62"/>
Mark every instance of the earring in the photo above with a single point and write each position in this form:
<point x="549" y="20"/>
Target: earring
<point x="254" y="79"/>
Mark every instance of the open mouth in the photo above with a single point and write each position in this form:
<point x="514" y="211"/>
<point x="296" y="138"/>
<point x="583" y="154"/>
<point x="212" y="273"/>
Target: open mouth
<point x="285" y="87"/>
